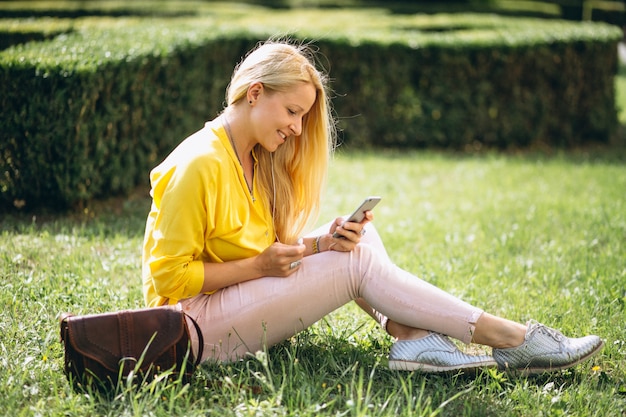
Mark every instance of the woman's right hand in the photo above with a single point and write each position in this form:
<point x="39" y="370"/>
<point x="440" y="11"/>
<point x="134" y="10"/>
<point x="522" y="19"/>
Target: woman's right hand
<point x="280" y="260"/>
<point x="351" y="233"/>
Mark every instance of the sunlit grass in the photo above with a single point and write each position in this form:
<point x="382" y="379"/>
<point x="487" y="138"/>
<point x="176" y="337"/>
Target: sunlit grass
<point x="521" y="236"/>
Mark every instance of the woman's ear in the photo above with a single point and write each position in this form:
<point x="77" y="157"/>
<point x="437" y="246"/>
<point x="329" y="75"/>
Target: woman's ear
<point x="254" y="92"/>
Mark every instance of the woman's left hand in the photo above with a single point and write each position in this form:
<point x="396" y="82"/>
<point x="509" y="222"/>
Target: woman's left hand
<point x="351" y="233"/>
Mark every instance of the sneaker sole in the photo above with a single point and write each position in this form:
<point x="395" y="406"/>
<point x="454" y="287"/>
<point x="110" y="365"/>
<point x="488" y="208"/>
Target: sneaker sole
<point x="423" y="367"/>
<point x="541" y="370"/>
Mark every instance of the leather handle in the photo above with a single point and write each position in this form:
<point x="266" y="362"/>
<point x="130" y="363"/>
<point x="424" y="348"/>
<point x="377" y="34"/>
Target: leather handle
<point x="200" y="339"/>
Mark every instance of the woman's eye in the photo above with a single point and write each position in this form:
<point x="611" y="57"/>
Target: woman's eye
<point x="291" y="112"/>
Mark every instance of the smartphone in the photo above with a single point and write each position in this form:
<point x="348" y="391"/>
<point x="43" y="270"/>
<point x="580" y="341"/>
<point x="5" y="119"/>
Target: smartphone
<point x="368" y="204"/>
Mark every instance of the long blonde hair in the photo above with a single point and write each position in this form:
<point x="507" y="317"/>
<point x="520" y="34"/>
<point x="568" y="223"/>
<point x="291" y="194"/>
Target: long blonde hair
<point x="293" y="177"/>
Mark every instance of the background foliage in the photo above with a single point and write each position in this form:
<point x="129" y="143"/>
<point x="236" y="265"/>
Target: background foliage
<point x="89" y="111"/>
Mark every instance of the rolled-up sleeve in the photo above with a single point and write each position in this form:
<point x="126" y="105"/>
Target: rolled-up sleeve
<point x="176" y="230"/>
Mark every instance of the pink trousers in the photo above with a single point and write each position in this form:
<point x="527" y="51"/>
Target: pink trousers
<point x="246" y="317"/>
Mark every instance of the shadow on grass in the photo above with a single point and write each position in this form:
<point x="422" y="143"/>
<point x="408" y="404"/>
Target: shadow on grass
<point x="123" y="215"/>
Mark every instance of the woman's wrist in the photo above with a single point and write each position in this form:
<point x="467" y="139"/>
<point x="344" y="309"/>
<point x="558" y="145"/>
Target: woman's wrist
<point x="324" y="242"/>
<point x="319" y="244"/>
<point x="316" y="245"/>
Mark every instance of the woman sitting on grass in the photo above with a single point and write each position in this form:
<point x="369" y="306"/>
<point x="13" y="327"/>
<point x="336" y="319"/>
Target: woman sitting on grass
<point x="222" y="239"/>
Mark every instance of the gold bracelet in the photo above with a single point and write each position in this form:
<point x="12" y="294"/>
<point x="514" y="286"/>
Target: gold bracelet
<point x="316" y="245"/>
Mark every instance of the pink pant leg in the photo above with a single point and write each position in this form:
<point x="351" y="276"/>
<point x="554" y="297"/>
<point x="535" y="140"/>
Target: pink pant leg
<point x="245" y="317"/>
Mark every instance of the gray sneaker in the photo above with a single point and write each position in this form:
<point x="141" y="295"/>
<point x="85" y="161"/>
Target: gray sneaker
<point x="434" y="353"/>
<point x="545" y="349"/>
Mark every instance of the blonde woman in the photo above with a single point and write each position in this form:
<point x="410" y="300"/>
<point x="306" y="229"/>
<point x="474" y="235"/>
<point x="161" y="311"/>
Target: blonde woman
<point x="222" y="238"/>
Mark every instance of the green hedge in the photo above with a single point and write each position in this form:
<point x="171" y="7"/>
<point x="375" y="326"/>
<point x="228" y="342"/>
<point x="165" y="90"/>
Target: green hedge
<point x="90" y="112"/>
<point x="558" y="95"/>
<point x="88" y="8"/>
<point x="74" y="129"/>
<point x="17" y="31"/>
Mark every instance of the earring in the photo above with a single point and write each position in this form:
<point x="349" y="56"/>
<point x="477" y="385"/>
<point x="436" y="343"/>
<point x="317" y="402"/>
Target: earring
<point x="250" y="102"/>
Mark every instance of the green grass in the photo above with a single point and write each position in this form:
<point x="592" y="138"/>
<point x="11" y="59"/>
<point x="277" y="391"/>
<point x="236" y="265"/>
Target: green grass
<point x="530" y="236"/>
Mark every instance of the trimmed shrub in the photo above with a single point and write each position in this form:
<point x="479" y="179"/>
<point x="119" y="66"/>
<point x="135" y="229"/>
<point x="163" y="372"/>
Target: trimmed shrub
<point x="77" y="128"/>
<point x="90" y="112"/>
<point x="503" y="96"/>
<point x="17" y="31"/>
<point x="73" y="9"/>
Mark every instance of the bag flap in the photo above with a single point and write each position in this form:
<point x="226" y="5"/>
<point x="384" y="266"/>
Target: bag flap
<point x="110" y="337"/>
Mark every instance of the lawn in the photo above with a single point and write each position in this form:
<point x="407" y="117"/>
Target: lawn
<point x="524" y="236"/>
<point x="530" y="235"/>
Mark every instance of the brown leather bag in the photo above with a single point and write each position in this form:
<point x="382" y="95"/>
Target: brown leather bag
<point x="102" y="349"/>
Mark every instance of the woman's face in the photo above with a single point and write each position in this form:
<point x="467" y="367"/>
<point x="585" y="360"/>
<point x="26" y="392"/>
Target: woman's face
<point x="277" y="116"/>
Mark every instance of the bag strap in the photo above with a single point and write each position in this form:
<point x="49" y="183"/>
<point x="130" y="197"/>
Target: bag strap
<point x="200" y="339"/>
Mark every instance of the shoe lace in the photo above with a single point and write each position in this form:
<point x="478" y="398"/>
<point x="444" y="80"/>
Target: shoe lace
<point x="535" y="326"/>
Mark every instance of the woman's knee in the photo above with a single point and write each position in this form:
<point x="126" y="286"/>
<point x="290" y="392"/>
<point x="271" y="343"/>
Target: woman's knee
<point x="370" y="261"/>
<point x="373" y="239"/>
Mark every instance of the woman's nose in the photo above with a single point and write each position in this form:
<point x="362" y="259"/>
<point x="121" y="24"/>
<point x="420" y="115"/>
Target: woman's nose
<point x="296" y="128"/>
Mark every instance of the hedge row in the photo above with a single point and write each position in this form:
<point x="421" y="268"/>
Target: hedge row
<point x="112" y="8"/>
<point x="75" y="129"/>
<point x="90" y="112"/>
<point x="557" y="95"/>
<point x="13" y="32"/>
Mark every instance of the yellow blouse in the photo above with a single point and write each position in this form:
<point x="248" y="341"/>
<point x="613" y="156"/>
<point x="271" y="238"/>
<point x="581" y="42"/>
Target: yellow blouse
<point x="202" y="211"/>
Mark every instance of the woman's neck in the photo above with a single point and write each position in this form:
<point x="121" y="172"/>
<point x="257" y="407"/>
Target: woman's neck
<point x="244" y="157"/>
<point x="236" y="127"/>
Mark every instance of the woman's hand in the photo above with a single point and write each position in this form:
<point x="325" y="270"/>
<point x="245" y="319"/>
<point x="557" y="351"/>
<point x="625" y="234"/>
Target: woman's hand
<point x="351" y="233"/>
<point x="280" y="260"/>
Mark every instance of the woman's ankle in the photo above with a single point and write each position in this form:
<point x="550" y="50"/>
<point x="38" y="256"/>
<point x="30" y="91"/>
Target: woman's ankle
<point x="498" y="333"/>
<point x="402" y="332"/>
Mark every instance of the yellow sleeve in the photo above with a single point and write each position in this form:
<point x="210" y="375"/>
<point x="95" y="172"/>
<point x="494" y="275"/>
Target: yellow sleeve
<point x="176" y="232"/>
